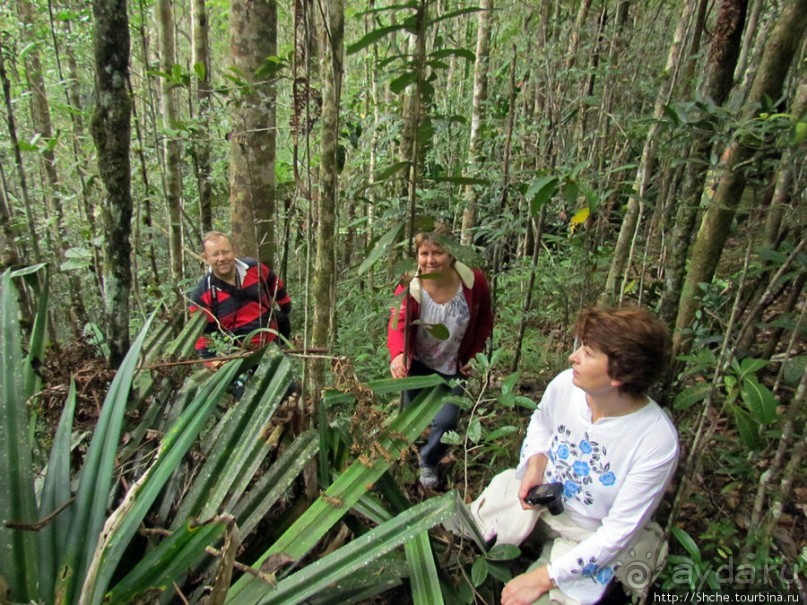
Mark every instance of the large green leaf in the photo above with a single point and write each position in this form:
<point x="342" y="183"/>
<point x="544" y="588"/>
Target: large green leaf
<point x="381" y="248"/>
<point x="340" y="564"/>
<point x="422" y="571"/>
<point x="373" y="37"/>
<point x="273" y="483"/>
<point x="172" y="557"/>
<point x="18" y="560"/>
<point x="96" y="476"/>
<point x="759" y="399"/>
<point x="691" y="395"/>
<point x="303" y="535"/>
<point x="125" y="520"/>
<point x="239" y="448"/>
<point x="748" y="428"/>
<point x="56" y="495"/>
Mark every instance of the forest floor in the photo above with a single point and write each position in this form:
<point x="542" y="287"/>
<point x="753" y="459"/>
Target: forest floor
<point x="716" y="517"/>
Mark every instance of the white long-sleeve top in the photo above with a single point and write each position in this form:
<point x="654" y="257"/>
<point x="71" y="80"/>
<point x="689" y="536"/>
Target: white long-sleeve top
<point x="614" y="473"/>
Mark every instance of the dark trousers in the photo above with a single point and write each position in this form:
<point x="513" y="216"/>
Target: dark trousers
<point x="445" y="420"/>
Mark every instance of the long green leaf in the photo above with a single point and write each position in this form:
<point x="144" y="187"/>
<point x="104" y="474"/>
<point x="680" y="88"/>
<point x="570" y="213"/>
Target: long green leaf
<point x="759" y="399"/>
<point x="345" y="491"/>
<point x="396" y="385"/>
<point x="256" y="503"/>
<point x="340" y="564"/>
<point x="18" y="560"/>
<point x="123" y="523"/>
<point x="373" y="37"/>
<point x="239" y="449"/>
<point x="170" y="559"/>
<point x="422" y="571"/>
<point x="56" y="494"/>
<point x="96" y="475"/>
<point x="381" y="248"/>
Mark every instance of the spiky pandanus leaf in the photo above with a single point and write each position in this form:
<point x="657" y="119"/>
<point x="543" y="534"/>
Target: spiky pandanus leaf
<point x="124" y="521"/>
<point x="422" y="571"/>
<point x="239" y="448"/>
<point x="349" y="559"/>
<point x="18" y="558"/>
<point x="156" y="572"/>
<point x="55" y="496"/>
<point x="346" y="490"/>
<point x="96" y="476"/>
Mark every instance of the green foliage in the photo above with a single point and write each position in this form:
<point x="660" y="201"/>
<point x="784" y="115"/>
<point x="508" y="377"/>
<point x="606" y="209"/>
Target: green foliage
<point x="751" y="403"/>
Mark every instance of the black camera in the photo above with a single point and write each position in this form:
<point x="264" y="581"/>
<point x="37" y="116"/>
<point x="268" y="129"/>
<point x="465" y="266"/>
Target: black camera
<point x="547" y="494"/>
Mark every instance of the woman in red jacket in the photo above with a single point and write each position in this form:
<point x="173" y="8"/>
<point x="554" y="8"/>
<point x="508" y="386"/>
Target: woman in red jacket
<point x="447" y="297"/>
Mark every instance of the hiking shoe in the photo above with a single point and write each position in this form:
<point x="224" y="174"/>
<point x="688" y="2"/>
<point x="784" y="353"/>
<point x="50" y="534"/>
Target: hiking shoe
<point x="428" y="477"/>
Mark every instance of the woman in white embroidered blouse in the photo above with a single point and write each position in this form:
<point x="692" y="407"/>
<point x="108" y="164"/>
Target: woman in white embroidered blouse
<point x="611" y="447"/>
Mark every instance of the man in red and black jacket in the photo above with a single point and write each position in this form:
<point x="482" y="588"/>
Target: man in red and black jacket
<point x="238" y="295"/>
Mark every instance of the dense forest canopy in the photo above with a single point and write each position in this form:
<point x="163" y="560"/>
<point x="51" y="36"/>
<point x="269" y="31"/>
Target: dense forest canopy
<point x="603" y="151"/>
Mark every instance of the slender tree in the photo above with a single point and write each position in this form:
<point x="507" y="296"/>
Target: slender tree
<point x="201" y="147"/>
<point x="723" y="52"/>
<point x="253" y="38"/>
<point x="111" y="128"/>
<point x="480" y="94"/>
<point x="780" y="50"/>
<point x="172" y="146"/>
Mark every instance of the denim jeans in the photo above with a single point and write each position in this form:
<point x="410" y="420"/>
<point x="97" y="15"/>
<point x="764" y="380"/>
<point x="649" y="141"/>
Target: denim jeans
<point x="445" y="420"/>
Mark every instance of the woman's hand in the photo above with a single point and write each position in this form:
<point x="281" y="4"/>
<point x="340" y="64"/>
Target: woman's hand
<point x="398" y="367"/>
<point x="533" y="475"/>
<point x="527" y="588"/>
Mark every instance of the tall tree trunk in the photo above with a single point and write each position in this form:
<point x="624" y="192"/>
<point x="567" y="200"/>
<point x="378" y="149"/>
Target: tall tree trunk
<point x="778" y="54"/>
<point x="201" y="147"/>
<point x="54" y="194"/>
<point x="111" y="129"/>
<point x="172" y="146"/>
<point x="324" y="290"/>
<point x="723" y="52"/>
<point x="477" y="116"/>
<point x="15" y="145"/>
<point x="630" y="222"/>
<point x="253" y="39"/>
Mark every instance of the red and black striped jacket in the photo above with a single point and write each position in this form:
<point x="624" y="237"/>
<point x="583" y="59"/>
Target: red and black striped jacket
<point x="240" y="309"/>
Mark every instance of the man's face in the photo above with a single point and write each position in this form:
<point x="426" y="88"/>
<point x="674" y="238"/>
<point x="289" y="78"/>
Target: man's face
<point x="219" y="254"/>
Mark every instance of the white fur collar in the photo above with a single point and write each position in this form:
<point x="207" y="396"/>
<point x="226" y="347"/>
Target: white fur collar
<point x="464" y="271"/>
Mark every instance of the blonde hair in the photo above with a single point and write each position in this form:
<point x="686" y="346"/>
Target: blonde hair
<point x="436" y="236"/>
<point x="211" y="235"/>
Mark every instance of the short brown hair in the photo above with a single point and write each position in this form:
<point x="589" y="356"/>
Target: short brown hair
<point x="635" y="341"/>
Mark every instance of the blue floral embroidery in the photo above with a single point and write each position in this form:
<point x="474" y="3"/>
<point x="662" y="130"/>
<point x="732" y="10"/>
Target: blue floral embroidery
<point x="600" y="575"/>
<point x="577" y="465"/>
<point x="604" y="575"/>
<point x="570" y="489"/>
<point x="580" y="469"/>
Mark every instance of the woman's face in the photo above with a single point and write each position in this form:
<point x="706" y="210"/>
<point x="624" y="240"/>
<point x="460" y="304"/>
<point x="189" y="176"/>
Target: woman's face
<point x="433" y="259"/>
<point x="590" y="366"/>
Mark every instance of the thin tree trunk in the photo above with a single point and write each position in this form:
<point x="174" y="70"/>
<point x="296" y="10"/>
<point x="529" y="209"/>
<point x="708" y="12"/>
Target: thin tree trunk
<point x="201" y="147"/>
<point x="723" y="52"/>
<point x="630" y="222"/>
<point x="779" y="52"/>
<point x="172" y="146"/>
<point x="15" y="145"/>
<point x="480" y="94"/>
<point x="324" y="291"/>
<point x="54" y="194"/>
